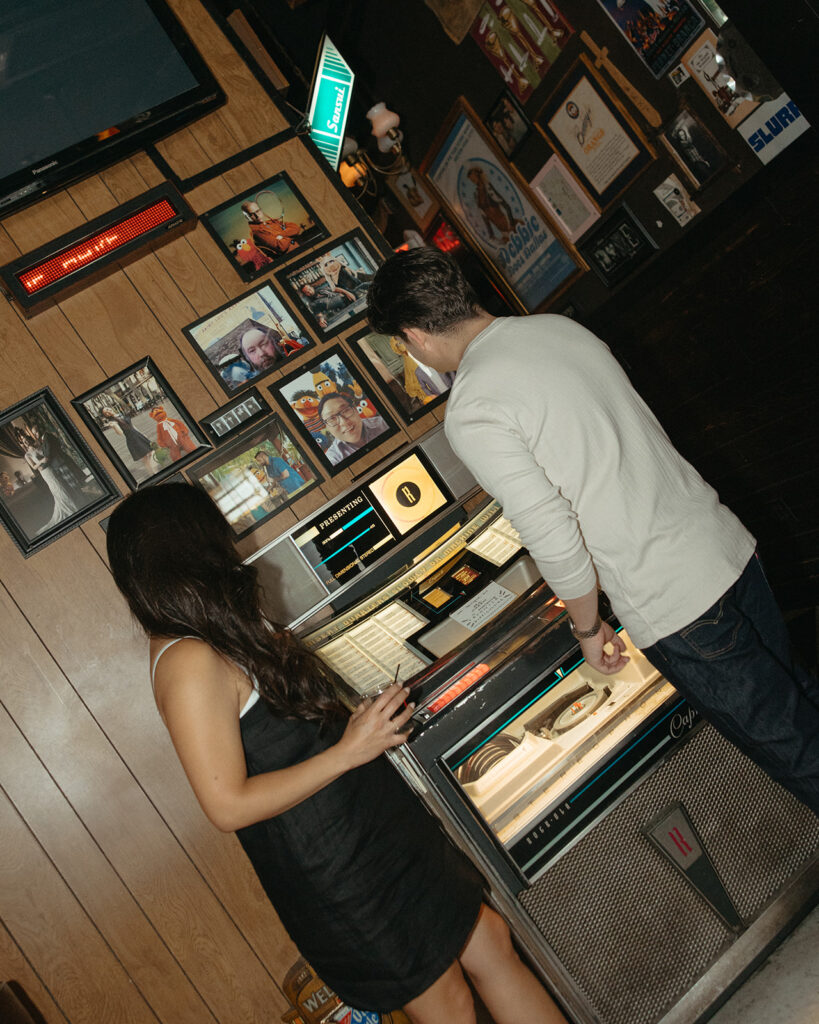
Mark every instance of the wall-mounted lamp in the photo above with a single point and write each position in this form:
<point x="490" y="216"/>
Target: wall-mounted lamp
<point x="358" y="169"/>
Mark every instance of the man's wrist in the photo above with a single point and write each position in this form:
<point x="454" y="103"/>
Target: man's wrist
<point x="586" y="634"/>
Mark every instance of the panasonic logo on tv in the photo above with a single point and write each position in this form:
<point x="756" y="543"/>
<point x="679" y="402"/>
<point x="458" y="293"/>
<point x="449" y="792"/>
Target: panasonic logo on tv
<point x="45" y="167"/>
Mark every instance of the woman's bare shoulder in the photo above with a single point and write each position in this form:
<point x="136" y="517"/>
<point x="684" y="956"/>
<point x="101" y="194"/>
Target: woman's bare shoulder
<point x="190" y="668"/>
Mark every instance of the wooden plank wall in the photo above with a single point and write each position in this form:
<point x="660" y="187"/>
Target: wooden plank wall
<point x="118" y="900"/>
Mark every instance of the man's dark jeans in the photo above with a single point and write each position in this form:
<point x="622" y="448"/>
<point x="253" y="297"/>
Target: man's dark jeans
<point x="734" y="664"/>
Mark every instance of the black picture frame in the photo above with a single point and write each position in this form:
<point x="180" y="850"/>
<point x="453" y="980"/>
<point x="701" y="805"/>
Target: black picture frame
<point x="352" y="252"/>
<point x="135" y="396"/>
<point x="412" y="389"/>
<point x="283" y="208"/>
<point x="507" y="123"/>
<point x="302" y="391"/>
<point x="616" y="248"/>
<point x="693" y="148"/>
<point x="217" y="337"/>
<point x="242" y="412"/>
<point x="248" y="489"/>
<point x="48" y="483"/>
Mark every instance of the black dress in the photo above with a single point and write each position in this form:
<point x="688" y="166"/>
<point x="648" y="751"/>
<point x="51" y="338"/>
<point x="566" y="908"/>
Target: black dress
<point x="367" y="885"/>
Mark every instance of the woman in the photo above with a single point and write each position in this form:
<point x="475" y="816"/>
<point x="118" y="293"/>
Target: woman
<point x="60" y="474"/>
<point x="383" y="907"/>
<point x="138" y="445"/>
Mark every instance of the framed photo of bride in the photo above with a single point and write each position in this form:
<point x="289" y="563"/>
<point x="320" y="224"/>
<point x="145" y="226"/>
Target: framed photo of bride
<point x="50" y="481"/>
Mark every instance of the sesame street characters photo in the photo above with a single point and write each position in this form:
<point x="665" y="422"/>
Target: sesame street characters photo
<point x="412" y="387"/>
<point x="141" y="424"/>
<point x="339" y="418"/>
<point x="247" y="338"/>
<point x="255" y="476"/>
<point x="264" y="226"/>
<point x="330" y="286"/>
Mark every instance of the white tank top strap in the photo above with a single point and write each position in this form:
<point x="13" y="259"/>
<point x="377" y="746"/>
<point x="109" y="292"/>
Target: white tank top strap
<point x="251" y="700"/>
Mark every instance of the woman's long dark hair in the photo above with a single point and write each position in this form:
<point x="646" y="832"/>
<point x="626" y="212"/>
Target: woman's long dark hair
<point x="172" y="556"/>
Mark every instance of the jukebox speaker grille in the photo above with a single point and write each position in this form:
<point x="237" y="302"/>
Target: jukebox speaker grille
<point x="627" y="926"/>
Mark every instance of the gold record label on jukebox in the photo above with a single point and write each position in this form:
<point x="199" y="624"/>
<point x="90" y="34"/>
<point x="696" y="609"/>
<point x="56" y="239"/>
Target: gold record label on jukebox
<point x="408" y="494"/>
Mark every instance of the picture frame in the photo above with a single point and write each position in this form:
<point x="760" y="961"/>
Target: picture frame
<point x="50" y="480"/>
<point x="140" y="423"/>
<point x="242" y="412"/>
<point x="490" y="205"/>
<point x="247" y="338"/>
<point x="262" y="226"/>
<point x="565" y="198"/>
<point x="508" y="124"/>
<point x="693" y="148"/>
<point x="414" y="196"/>
<point x="594" y="134"/>
<point x="617" y="247"/>
<point x="256" y="475"/>
<point x="657" y="38"/>
<point x="412" y="389"/>
<point x="359" y="420"/>
<point x="328" y="306"/>
<point x="701" y="63"/>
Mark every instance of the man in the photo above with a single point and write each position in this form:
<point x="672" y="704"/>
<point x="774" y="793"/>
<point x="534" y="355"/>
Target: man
<point x="351" y="432"/>
<point x="547" y="421"/>
<point x="321" y="301"/>
<point x="278" y="471"/>
<point x="259" y="350"/>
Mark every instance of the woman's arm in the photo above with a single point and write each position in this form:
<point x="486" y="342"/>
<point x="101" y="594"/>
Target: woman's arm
<point x="198" y="695"/>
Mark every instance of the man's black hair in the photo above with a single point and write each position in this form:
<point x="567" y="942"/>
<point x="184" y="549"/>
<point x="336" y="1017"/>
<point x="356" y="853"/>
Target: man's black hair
<point x="420" y="288"/>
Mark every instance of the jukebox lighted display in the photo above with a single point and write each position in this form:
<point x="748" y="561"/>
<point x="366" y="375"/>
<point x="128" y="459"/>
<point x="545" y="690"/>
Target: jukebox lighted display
<point x="572" y="791"/>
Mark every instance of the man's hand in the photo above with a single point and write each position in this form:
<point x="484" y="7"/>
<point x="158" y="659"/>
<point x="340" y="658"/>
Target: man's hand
<point x="596" y="655"/>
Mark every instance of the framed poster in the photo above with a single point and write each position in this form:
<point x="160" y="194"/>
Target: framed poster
<point x="412" y="387"/>
<point x="264" y="225"/>
<point x="694" y="148"/>
<point x="521" y="39"/>
<point x="256" y="475"/>
<point x="338" y="418"/>
<point x="50" y="481"/>
<point x="700" y="61"/>
<point x="617" y="247"/>
<point x="237" y="415"/>
<point x="330" y="285"/>
<point x="507" y="123"/>
<point x="414" y="197"/>
<point x="489" y="203"/>
<point x="564" y="198"/>
<point x="594" y="134"/>
<point x="247" y="338"/>
<point x="656" y="30"/>
<point x="141" y="424"/>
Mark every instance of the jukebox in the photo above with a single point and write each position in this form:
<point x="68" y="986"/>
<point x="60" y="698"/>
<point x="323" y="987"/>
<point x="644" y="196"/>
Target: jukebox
<point x="644" y="865"/>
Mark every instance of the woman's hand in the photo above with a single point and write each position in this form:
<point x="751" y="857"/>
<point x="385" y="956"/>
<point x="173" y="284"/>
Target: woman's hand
<point x="375" y="726"/>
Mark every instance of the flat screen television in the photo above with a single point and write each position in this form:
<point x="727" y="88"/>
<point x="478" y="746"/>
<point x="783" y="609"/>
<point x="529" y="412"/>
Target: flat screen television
<point x="84" y="83"/>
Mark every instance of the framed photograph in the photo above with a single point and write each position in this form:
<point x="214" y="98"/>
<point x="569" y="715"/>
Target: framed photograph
<point x="675" y="198"/>
<point x="242" y="412"/>
<point x="594" y="134"/>
<point x="247" y="338"/>
<point x="414" y="197"/>
<point x="657" y="32"/>
<point x="263" y="226"/>
<point x="617" y="247"/>
<point x="507" y="123"/>
<point x="564" y="198"/>
<point x="490" y="205"/>
<point x="50" y="481"/>
<point x="694" y="148"/>
<point x="330" y="286"/>
<point x="412" y="387"/>
<point x="338" y="418"/>
<point x="141" y="424"/>
<point x="256" y="475"/>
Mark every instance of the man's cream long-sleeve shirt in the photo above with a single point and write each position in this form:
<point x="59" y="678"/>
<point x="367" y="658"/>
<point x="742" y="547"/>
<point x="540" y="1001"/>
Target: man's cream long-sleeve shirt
<point x="548" y="422"/>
